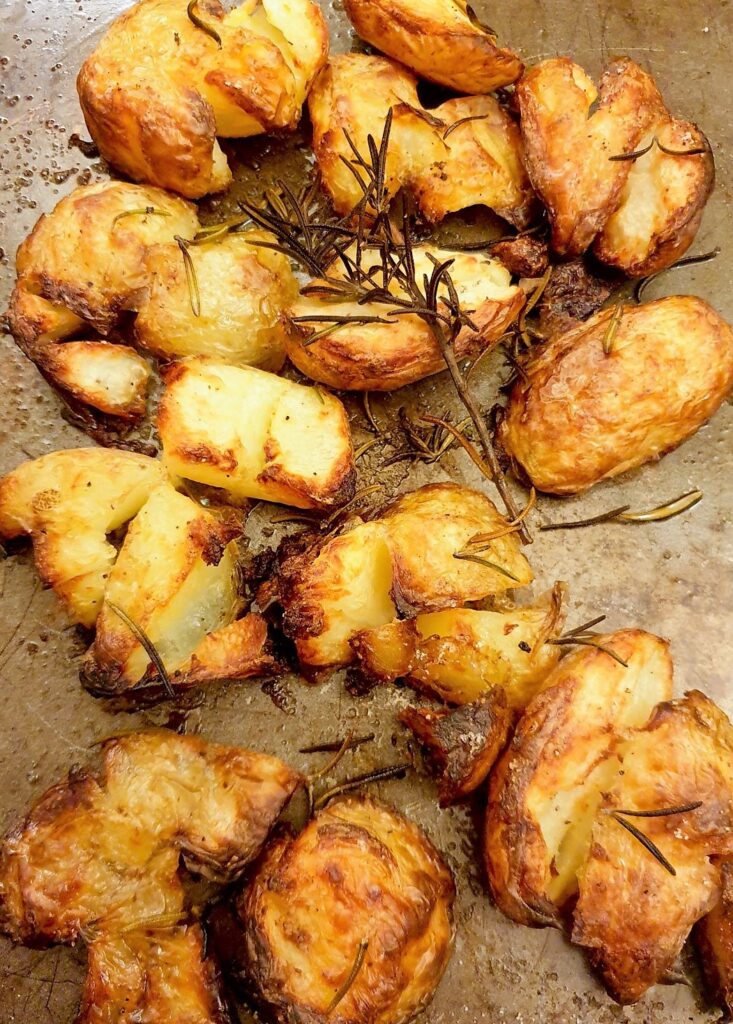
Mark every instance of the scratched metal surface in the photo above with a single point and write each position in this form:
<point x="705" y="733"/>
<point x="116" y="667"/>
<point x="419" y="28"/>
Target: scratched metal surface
<point x="675" y="578"/>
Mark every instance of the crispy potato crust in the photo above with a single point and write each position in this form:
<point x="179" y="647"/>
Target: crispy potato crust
<point x="157" y="90"/>
<point x="547" y="786"/>
<point x="464" y="744"/>
<point x="358" y="872"/>
<point x="255" y="435"/>
<point x="68" y="502"/>
<point x="438" y="40"/>
<point x="714" y="941"/>
<point x="632" y="915"/>
<point x="582" y="416"/>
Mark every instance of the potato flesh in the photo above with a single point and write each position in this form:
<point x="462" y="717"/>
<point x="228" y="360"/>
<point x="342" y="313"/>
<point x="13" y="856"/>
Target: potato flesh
<point x="112" y="378"/>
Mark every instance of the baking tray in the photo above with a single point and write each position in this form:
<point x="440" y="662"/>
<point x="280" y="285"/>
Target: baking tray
<point x="673" y="578"/>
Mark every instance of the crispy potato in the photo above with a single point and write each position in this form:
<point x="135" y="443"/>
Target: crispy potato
<point x="571" y="129"/>
<point x="464" y="744"/>
<point x="111" y="378"/>
<point x="177" y="578"/>
<point x="524" y="256"/>
<point x="68" y="502"/>
<point x="545" y="790"/>
<point x="632" y="915"/>
<point x="383" y="357"/>
<point x="574" y="292"/>
<point x="401" y="561"/>
<point x="439" y="40"/>
<point x="714" y="941"/>
<point x="460" y="654"/>
<point x="243" y="288"/>
<point x="255" y="435"/>
<point x="662" y="201"/>
<point x="358" y="873"/>
<point x="581" y="415"/>
<point x="158" y="90"/>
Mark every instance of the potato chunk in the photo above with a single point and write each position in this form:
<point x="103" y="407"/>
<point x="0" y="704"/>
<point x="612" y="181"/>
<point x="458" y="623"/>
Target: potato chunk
<point x="632" y="915"/>
<point x="382" y="357"/>
<point x="582" y="415"/>
<point x="158" y="90"/>
<point x="358" y="880"/>
<point x="402" y="560"/>
<point x="571" y="129"/>
<point x="460" y="654"/>
<point x="68" y="502"/>
<point x="255" y="435"/>
<point x="111" y="378"/>
<point x="243" y="289"/>
<point x="546" y="788"/>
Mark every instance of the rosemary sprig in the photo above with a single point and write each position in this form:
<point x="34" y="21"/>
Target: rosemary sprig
<point x="364" y="448"/>
<point x="148" y="646"/>
<point x="143" y="211"/>
<point x="662" y="812"/>
<point x="635" y="154"/>
<point x="469" y="556"/>
<point x="367" y="403"/>
<point x="645" y="841"/>
<point x="192" y="281"/>
<point x="612" y="329"/>
<point x="196" y="19"/>
<point x="622" y="514"/>
<point x="333" y="745"/>
<point x="463" y="120"/>
<point x="333" y="761"/>
<point x="687" y="261"/>
<point x="351" y="978"/>
<point x="390" y="772"/>
<point x="574" y="639"/>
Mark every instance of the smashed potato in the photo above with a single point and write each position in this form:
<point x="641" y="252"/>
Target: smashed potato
<point x="714" y="940"/>
<point x="401" y="561"/>
<point x="460" y="654"/>
<point x="243" y="290"/>
<point x="439" y="40"/>
<point x="581" y="414"/>
<point x="633" y="915"/>
<point x="111" y="378"/>
<point x="382" y="357"/>
<point x="255" y="435"/>
<point x="68" y="502"/>
<point x="159" y="89"/>
<point x="546" y="788"/>
<point x="360" y="883"/>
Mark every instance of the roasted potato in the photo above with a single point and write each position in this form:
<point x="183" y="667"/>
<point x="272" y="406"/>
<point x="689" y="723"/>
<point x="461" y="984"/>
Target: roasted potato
<point x="633" y="915"/>
<point x="176" y="577"/>
<point x="438" y="39"/>
<point x="546" y="788"/>
<point x="359" y="882"/>
<point x="571" y="132"/>
<point x="243" y="290"/>
<point x="158" y="89"/>
<point x="255" y="435"/>
<point x="714" y="941"/>
<point x="382" y="357"/>
<point x="462" y="745"/>
<point x="68" y="502"/>
<point x="583" y="414"/>
<point x="111" y="378"/>
<point x="401" y="561"/>
<point x="460" y="654"/>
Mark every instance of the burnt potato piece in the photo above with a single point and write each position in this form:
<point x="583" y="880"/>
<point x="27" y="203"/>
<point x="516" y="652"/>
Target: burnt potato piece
<point x="159" y="89"/>
<point x="68" y="502"/>
<point x="462" y="745"/>
<point x="633" y="915"/>
<point x="350" y="922"/>
<point x="574" y="293"/>
<point x="400" y="561"/>
<point x="546" y="788"/>
<point x="623" y="389"/>
<point x="714" y="941"/>
<point x="571" y="129"/>
<point x="254" y="435"/>
<point x="439" y="40"/>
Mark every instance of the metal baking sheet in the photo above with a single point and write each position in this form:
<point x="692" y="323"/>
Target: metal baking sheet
<point x="673" y="578"/>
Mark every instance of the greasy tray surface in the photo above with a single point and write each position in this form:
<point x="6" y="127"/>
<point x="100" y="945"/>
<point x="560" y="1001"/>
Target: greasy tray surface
<point x="673" y="578"/>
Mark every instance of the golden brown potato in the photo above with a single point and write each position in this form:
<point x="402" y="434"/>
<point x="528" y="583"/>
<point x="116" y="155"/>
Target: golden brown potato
<point x="460" y="654"/>
<point x="158" y="90"/>
<point x="714" y="941"/>
<point x="545" y="790"/>
<point x="633" y="915"/>
<point x="462" y="745"/>
<point x="571" y="129"/>
<point x="68" y="502"/>
<point x="359" y="880"/>
<point x="177" y="578"/>
<point x="382" y="357"/>
<point x="662" y="201"/>
<point x="439" y="40"/>
<point x="243" y="291"/>
<point x="111" y="378"/>
<point x="401" y="561"/>
<point x="255" y="435"/>
<point x="581" y="415"/>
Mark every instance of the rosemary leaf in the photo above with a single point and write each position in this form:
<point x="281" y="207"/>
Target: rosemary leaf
<point x="468" y="556"/>
<point x="192" y="281"/>
<point x="201" y="24"/>
<point x="148" y="646"/>
<point x="612" y="329"/>
<point x="143" y="211"/>
<point x="463" y="120"/>
<point x="586" y="641"/>
<point x="390" y="772"/>
<point x="331" y="746"/>
<point x="355" y="968"/>
<point x="645" y="842"/>
<point x="687" y="261"/>
<point x="634" y="155"/>
<point x="333" y="761"/>
<point x="667" y="511"/>
<point x="662" y="812"/>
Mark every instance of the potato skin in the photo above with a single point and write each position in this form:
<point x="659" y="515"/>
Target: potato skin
<point x="583" y="416"/>
<point x="157" y="90"/>
<point x="357" y="872"/>
<point x="714" y="941"/>
<point x="560" y="757"/>
<point x="438" y="40"/>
